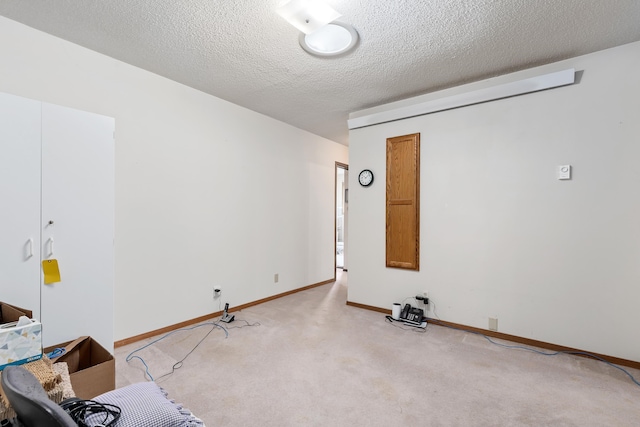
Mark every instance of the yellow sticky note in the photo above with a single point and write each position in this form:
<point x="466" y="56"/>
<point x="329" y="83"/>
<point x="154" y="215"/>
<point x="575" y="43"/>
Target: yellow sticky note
<point x="51" y="271"/>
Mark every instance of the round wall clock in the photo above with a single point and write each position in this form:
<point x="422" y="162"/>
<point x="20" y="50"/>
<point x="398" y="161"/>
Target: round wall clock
<point x="365" y="178"/>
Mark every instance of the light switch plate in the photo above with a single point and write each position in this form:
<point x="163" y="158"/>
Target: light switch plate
<point x="564" y="172"/>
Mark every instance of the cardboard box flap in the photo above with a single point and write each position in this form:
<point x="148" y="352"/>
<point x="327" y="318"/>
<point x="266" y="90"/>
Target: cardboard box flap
<point x="11" y="313"/>
<point x="79" y="359"/>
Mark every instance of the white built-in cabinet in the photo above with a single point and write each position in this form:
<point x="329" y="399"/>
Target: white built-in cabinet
<point x="57" y="202"/>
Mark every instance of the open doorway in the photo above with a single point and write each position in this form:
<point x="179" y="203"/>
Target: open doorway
<point x="341" y="213"/>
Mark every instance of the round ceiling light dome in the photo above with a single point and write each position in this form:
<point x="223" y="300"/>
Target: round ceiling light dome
<point x="333" y="39"/>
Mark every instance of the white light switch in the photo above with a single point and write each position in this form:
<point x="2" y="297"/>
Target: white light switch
<point x="564" y="172"/>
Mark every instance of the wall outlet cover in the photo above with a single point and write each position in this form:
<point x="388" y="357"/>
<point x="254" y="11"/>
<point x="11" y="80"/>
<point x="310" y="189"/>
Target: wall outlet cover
<point x="493" y="324"/>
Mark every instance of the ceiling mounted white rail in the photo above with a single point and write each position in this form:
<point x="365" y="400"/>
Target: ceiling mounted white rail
<point x="506" y="90"/>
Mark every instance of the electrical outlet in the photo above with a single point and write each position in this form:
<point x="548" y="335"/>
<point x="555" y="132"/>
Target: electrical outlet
<point x="276" y="278"/>
<point x="217" y="292"/>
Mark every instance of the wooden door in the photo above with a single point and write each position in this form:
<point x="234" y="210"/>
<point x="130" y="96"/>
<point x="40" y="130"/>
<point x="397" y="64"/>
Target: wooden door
<point x="403" y="202"/>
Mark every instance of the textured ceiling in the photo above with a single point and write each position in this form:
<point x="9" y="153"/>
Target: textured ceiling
<point x="244" y="52"/>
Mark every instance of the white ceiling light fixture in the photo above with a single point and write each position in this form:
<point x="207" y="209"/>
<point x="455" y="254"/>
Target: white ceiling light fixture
<point x="333" y="39"/>
<point x="320" y="36"/>
<point x="308" y="15"/>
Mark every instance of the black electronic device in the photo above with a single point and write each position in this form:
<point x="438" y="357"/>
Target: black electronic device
<point x="226" y="317"/>
<point x="412" y="315"/>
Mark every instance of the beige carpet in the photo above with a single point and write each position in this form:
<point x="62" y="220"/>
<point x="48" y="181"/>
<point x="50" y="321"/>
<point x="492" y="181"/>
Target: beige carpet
<point x="314" y="361"/>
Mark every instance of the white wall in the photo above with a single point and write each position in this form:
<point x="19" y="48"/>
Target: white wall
<point x="556" y="261"/>
<point x="207" y="193"/>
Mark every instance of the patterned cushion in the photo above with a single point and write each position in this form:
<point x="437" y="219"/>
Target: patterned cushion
<point x="146" y="404"/>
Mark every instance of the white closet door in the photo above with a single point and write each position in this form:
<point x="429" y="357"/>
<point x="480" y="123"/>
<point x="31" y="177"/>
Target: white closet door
<point x="20" y="202"/>
<point x="78" y="224"/>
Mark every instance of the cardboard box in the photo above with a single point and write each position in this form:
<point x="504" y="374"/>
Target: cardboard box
<point x="20" y="344"/>
<point x="92" y="368"/>
<point x="11" y="313"/>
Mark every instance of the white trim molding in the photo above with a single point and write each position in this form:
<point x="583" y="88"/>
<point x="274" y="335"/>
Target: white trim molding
<point x="506" y="90"/>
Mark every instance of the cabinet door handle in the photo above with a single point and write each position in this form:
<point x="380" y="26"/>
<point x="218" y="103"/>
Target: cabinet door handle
<point x="50" y="246"/>
<point x="29" y="249"/>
